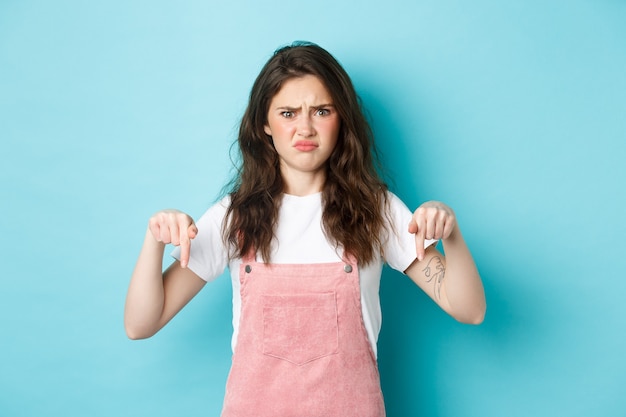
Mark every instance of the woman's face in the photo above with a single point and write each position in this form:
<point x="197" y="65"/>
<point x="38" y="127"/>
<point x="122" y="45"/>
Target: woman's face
<point x="304" y="126"/>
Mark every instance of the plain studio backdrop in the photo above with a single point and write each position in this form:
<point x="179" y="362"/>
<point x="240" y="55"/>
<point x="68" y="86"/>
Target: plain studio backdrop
<point x="514" y="113"/>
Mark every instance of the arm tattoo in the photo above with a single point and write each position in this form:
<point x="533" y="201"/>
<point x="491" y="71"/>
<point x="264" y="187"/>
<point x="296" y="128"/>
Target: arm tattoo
<point x="435" y="272"/>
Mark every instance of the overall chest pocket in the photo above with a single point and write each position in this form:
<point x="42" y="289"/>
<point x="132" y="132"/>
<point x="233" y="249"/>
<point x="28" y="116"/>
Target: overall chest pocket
<point x="300" y="328"/>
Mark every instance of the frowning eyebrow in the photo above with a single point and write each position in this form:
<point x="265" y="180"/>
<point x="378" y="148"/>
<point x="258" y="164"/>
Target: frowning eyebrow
<point x="316" y="107"/>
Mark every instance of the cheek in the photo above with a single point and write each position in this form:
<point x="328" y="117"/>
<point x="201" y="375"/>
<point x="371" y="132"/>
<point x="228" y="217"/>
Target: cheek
<point x="279" y="129"/>
<point x="332" y="129"/>
<point x="271" y="128"/>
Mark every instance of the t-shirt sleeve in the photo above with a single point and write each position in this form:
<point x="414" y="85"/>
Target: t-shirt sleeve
<point x="400" y="250"/>
<point x="208" y="255"/>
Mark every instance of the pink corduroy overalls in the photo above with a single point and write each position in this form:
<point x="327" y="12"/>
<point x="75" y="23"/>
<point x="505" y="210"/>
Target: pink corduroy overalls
<point x="302" y="349"/>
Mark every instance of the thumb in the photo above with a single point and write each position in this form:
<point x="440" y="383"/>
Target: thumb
<point x="192" y="231"/>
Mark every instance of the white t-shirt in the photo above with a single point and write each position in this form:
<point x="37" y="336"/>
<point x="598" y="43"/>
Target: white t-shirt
<point x="299" y="238"/>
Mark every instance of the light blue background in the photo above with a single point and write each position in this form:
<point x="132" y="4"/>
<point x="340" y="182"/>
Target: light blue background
<point x="511" y="112"/>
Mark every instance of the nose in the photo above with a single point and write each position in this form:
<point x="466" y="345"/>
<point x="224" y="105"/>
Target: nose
<point x="305" y="127"/>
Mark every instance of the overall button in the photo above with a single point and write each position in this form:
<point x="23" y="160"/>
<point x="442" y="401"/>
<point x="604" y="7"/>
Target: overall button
<point x="347" y="268"/>
<point x="248" y="269"/>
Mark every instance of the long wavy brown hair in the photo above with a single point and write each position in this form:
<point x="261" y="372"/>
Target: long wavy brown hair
<point x="354" y="196"/>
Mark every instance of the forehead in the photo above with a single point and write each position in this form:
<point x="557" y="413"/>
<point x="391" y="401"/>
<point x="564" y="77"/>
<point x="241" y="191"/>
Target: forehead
<point x="306" y="89"/>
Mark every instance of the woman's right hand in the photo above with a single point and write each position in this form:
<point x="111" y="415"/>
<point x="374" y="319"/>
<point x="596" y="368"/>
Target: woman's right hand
<point x="175" y="227"/>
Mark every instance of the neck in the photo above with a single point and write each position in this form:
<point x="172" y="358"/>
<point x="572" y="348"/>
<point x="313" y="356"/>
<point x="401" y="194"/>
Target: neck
<point x="302" y="184"/>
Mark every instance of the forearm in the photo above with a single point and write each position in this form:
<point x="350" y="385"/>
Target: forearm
<point x="463" y="286"/>
<point x="145" y="298"/>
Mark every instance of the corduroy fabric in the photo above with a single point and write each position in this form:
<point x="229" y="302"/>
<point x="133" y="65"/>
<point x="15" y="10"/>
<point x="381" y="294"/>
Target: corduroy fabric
<point x="302" y="349"/>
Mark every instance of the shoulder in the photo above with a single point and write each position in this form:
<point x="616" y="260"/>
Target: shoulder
<point x="396" y="207"/>
<point x="211" y="222"/>
<point x="217" y="211"/>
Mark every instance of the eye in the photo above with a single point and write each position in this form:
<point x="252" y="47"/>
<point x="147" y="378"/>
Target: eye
<point x="322" y="112"/>
<point x="287" y="114"/>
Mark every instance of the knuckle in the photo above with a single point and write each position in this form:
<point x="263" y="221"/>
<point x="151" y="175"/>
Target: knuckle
<point x="182" y="218"/>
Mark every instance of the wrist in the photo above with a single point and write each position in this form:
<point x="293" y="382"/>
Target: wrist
<point x="455" y="236"/>
<point x="150" y="241"/>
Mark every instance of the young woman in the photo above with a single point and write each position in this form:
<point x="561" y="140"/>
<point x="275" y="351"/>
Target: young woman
<point x="304" y="232"/>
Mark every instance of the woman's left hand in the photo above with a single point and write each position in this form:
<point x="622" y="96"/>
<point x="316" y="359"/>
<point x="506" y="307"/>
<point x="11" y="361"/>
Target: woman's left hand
<point x="431" y="220"/>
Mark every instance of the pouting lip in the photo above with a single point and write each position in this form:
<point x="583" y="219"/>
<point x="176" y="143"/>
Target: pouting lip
<point x="305" y="144"/>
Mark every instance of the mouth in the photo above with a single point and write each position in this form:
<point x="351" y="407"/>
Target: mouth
<point x="305" y="145"/>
